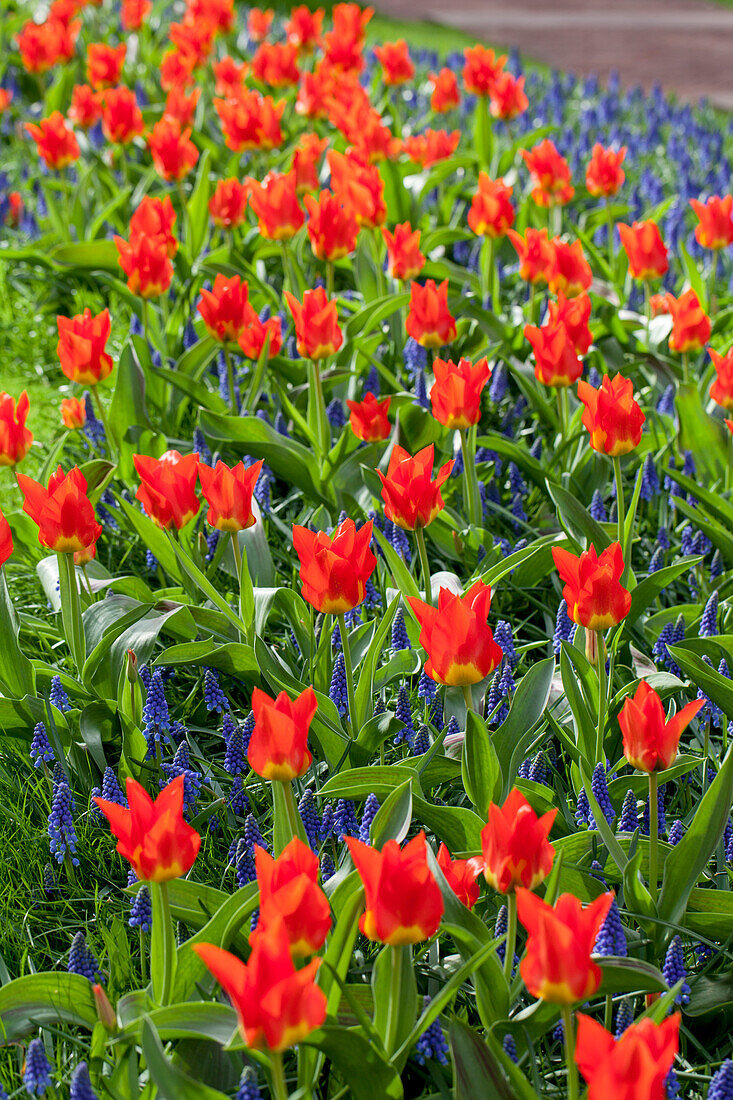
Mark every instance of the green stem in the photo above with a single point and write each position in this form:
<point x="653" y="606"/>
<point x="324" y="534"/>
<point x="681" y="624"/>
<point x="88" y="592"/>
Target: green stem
<point x="511" y="935"/>
<point x="143" y="959"/>
<point x="162" y="944"/>
<point x="230" y="379"/>
<point x="329" y="278"/>
<point x="572" y="1067"/>
<point x="71" y="609"/>
<point x="349" y="670"/>
<point x="648" y="314"/>
<point x="145" y="308"/>
<point x="685" y="367"/>
<point x="620" y="506"/>
<point x="488" y="271"/>
<point x="705" y="754"/>
<point x="237" y="554"/>
<point x="424" y="564"/>
<point x="395" y="999"/>
<point x="292" y="810"/>
<point x="185" y="222"/>
<point x="469" y="473"/>
<point x="712" y="303"/>
<point x="609" y="218"/>
<point x="608" y="1013"/>
<point x="317" y="419"/>
<point x="602" y="690"/>
<point x="468" y="698"/>
<point x="277" y="1075"/>
<point x="653" y="835"/>
<point x="561" y="413"/>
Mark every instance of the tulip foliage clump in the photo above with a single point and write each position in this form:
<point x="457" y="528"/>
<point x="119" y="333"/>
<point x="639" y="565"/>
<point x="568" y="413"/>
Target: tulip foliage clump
<point x="365" y="623"/>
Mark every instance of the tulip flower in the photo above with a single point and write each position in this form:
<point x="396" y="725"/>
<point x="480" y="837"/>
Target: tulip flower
<point x="275" y="205"/>
<point x="42" y="45"/>
<point x="276" y="65"/>
<point x="63" y="512"/>
<point x="715" y="222"/>
<point x="278" y="747"/>
<point x="429" y="321"/>
<point x="228" y="204"/>
<point x="568" y="270"/>
<point x="491" y="213"/>
<point x="332" y="226"/>
<point x="557" y="966"/>
<point x="431" y="146"/>
<point x="556" y="361"/>
<point x="445" y="95"/>
<point x="259" y="21"/>
<point x="154" y="219"/>
<point x="6" y="540"/>
<point x="404" y="904"/>
<point x="252" y="339"/>
<point x="181" y="107"/>
<point x="134" y="13"/>
<point x="611" y="415"/>
<point x="595" y="597"/>
<point x="457" y="637"/>
<point x="650" y="741"/>
<point x="15" y="438"/>
<point x="397" y="65"/>
<point x="303" y="28"/>
<point x="250" y="121"/>
<point x="306" y="156"/>
<point x="721" y="390"/>
<point x="228" y="492"/>
<point x="334" y="570"/>
<point x="289" y="890"/>
<point x="404" y="258"/>
<point x="691" y="326"/>
<point x="225" y="308"/>
<point x="173" y="152"/>
<point x="604" y="175"/>
<point x="167" y="489"/>
<point x="368" y="418"/>
<point x="152" y="835"/>
<point x="277" y="1006"/>
<point x="122" y="118"/>
<point x="632" y="1066"/>
<point x="146" y="264"/>
<point x="646" y="251"/>
<point x="507" y="98"/>
<point x="359" y="186"/>
<point x="515" y="845"/>
<point x="82" y="340"/>
<point x="411" y="498"/>
<point x="535" y="253"/>
<point x="461" y="875"/>
<point x="550" y="174"/>
<point x="456" y="392"/>
<point x="55" y="142"/>
<point x="481" y="69"/>
<point x="86" y="106"/>
<point x="73" y="413"/>
<point x="229" y="77"/>
<point x="574" y="314"/>
<point x="317" y="330"/>
<point x="104" y="64"/>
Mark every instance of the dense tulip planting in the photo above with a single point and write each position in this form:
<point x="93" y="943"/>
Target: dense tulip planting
<point x="365" y="642"/>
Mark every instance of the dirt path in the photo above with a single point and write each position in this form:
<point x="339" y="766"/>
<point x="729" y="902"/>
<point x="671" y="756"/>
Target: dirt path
<point x="685" y="47"/>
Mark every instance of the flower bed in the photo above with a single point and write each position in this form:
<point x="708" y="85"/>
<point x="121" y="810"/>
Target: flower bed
<point x="370" y="596"/>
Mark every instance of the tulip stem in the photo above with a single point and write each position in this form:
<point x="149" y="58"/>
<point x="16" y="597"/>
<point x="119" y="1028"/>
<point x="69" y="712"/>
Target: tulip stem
<point x="277" y="1073"/>
<point x="601" y="670"/>
<point x="468" y="698"/>
<point x="162" y="944"/>
<point x="572" y="1067"/>
<point x="329" y="278"/>
<point x="469" y="474"/>
<point x="71" y="609"/>
<point x="349" y="670"/>
<point x="424" y="564"/>
<point x="487" y="271"/>
<point x="230" y="379"/>
<point x="237" y="554"/>
<point x="712" y="303"/>
<point x="511" y="936"/>
<point x="621" y="512"/>
<point x="317" y="418"/>
<point x="143" y="959"/>
<point x="653" y="835"/>
<point x="685" y="367"/>
<point x="609" y="220"/>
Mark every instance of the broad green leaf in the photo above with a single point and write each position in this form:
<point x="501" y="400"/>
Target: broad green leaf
<point x="513" y="736"/>
<point x="17" y="677"/>
<point x="170" y="1081"/>
<point x="481" y="1068"/>
<point x="364" y="1068"/>
<point x="480" y="765"/>
<point x="45" y="1000"/>
<point x="647" y="590"/>
<point x="394" y="989"/>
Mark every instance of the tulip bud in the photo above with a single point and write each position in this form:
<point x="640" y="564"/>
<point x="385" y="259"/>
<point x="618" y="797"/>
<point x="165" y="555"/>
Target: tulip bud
<point x="131" y="667"/>
<point x="106" y="1013"/>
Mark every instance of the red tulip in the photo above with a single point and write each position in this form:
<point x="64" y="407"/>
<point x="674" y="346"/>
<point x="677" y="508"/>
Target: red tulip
<point x="167" y="489"/>
<point x="550" y="174"/>
<point x="86" y="106"/>
<point x="429" y="321"/>
<point x="481" y="69"/>
<point x="535" y="252"/>
<point x="604" y="175"/>
<point x="334" y="570"/>
<point x="457" y="637"/>
<point x="411" y="497"/>
<point x="721" y="390"/>
<point x="593" y="591"/>
<point x="154" y="219"/>
<point x="82" y="340"/>
<point x="104" y="64"/>
<point x="250" y="121"/>
<point x="63" y="511"/>
<point x="404" y="258"/>
<point x="651" y="741"/>
<point x="146" y="263"/>
<point x="691" y="326"/>
<point x="368" y="418"/>
<point x="181" y="107"/>
<point x="634" y="1066"/>
<point x="228" y="493"/>
<point x="332" y="226"/>
<point x="152" y="836"/>
<point x="228" y="204"/>
<point x="252" y="338"/>
<point x="556" y="361"/>
<point x="461" y="875"/>
<point x="6" y="540"/>
<point x="225" y="309"/>
<point x="456" y="392"/>
<point x="55" y="142"/>
<point x="431" y="146"/>
<point x="507" y="97"/>
<point x="73" y="413"/>
<point x="278" y="747"/>
<point x="122" y="118"/>
<point x="303" y="28"/>
<point x="516" y="849"/>
<point x="289" y="890"/>
<point x="173" y="152"/>
<point x="491" y="213"/>
<point x="359" y="186"/>
<point x="397" y="66"/>
<point x="317" y="329"/>
<point x="611" y="415"/>
<point x="306" y="156"/>
<point x="574" y="314"/>
<point x="645" y="249"/>
<point x="15" y="438"/>
<point x="568" y="271"/>
<point x="557" y="966"/>
<point x="276" y="207"/>
<point x="276" y="64"/>
<point x="229" y="76"/>
<point x="715" y="221"/>
<point x="445" y="95"/>
<point x="403" y="901"/>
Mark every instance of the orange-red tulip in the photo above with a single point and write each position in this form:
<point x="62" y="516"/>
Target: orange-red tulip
<point x="86" y="106"/>
<point x="491" y="213"/>
<point x="289" y="890"/>
<point x="397" y="66"/>
<point x="259" y="21"/>
<point x="611" y="415"/>
<point x="507" y="97"/>
<point x="651" y="741"/>
<point x="515" y="845"/>
<point x="691" y="325"/>
<point x="332" y="226"/>
<point x="134" y="13"/>
<point x="250" y="121"/>
<point x="550" y="174"/>
<point x="461" y="875"/>
<point x="42" y="45"/>
<point x="593" y="591"/>
<point x="555" y="357"/>
<point x="278" y="747"/>
<point x="634" y="1066"/>
<point x="73" y="413"/>
<point x="368" y="418"/>
<point x="411" y="497"/>
<point x="122" y="118"/>
<point x="457" y="637"/>
<point x="404" y="258"/>
<point x="568" y="270"/>
<point x="317" y="331"/>
<point x="225" y="308"/>
<point x="306" y="156"/>
<point x="104" y="64"/>
<point x="445" y="94"/>
<point x="277" y="1006"/>
<point x="647" y="252"/>
<point x="276" y="64"/>
<point x="228" y="204"/>
<point x="403" y="901"/>
<point x="167" y="489"/>
<point x="604" y="175"/>
<point x="334" y="569"/>
<point x="358" y="185"/>
<point x="535" y="252"/>
<point x="721" y="390"/>
<point x="574" y="314"/>
<point x="154" y="219"/>
<point x="82" y="340"/>
<point x="275" y="205"/>
<point x="6" y="540"/>
<point x="152" y="835"/>
<point x="55" y="142"/>
<point x="173" y="152"/>
<point x="63" y="511"/>
<point x="429" y="321"/>
<point x="229" y="76"/>
<point x="303" y="28"/>
<point x="431" y="146"/>
<point x="557" y="966"/>
<point x="252" y="339"/>
<point x="15" y="438"/>
<point x="146" y="263"/>
<point x="180" y="106"/>
<point x="228" y="492"/>
<point x="456" y="393"/>
<point x="481" y="69"/>
<point x="715" y="221"/>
